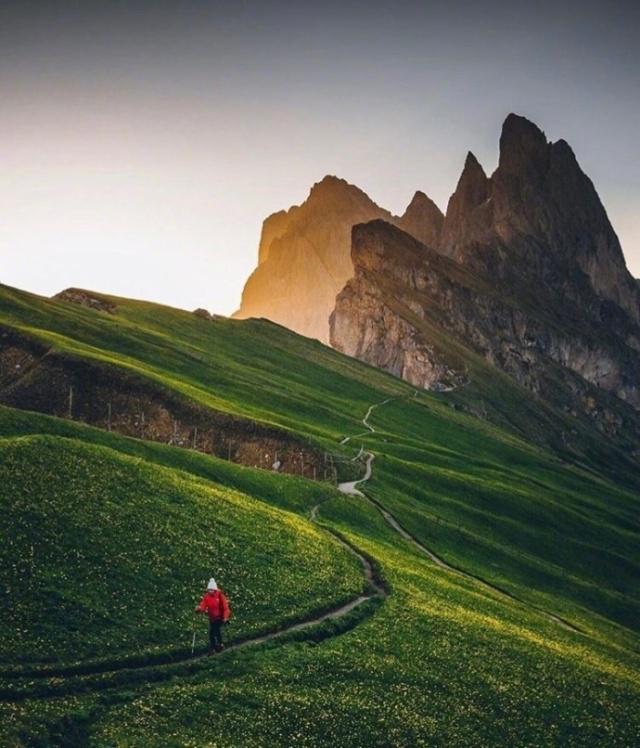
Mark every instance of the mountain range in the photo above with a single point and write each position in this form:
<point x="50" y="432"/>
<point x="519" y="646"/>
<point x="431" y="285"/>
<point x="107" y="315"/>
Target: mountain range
<point x="523" y="270"/>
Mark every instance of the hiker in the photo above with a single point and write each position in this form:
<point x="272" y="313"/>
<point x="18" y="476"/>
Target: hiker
<point x="215" y="604"/>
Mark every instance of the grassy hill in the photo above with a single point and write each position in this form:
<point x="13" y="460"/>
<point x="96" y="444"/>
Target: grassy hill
<point x="105" y="554"/>
<point x="443" y="660"/>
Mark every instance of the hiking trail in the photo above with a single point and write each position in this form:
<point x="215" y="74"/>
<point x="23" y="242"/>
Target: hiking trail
<point x="350" y="489"/>
<point x="52" y="676"/>
<point x="84" y="677"/>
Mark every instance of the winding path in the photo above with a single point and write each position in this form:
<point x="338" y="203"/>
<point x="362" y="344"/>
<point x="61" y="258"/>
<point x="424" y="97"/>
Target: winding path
<point x="350" y="488"/>
<point x="374" y="588"/>
<point x="161" y="667"/>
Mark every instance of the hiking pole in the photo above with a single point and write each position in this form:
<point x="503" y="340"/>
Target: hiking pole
<point x="193" y="641"/>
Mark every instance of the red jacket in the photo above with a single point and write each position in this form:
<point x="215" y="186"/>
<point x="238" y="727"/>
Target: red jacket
<point x="215" y="605"/>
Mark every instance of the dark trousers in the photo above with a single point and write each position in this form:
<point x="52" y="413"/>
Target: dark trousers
<point x="215" y="634"/>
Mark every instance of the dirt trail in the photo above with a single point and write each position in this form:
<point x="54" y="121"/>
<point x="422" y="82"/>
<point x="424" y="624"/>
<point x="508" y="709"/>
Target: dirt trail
<point x="374" y="588"/>
<point x="350" y="488"/>
<point x="365" y="420"/>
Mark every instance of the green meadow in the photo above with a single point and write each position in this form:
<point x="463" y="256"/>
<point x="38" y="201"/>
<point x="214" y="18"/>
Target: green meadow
<point x="107" y="542"/>
<point x="106" y="554"/>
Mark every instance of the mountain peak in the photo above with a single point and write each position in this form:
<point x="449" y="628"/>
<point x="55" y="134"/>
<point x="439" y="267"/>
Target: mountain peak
<point x="418" y="198"/>
<point x="472" y="163"/>
<point x="423" y="220"/>
<point x="472" y="191"/>
<point x="330" y="181"/>
<point x="421" y="202"/>
<point x="515" y="123"/>
<point x="473" y="176"/>
<point x="308" y="251"/>
<point x="523" y="145"/>
<point x="330" y="184"/>
<point x="472" y="186"/>
<point x="332" y="192"/>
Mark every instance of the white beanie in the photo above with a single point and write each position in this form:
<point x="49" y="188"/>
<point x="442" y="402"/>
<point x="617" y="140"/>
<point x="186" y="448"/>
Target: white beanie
<point x="212" y="584"/>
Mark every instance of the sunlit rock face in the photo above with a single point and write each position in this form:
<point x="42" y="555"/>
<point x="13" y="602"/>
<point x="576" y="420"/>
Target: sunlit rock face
<point x="305" y="254"/>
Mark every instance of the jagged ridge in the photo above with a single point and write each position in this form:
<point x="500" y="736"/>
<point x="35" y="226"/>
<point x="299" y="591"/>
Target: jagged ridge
<point x="530" y="276"/>
<point x="304" y="255"/>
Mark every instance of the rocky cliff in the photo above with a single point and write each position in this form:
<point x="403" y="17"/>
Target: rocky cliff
<point x="527" y="273"/>
<point x="304" y="258"/>
<point x="407" y="301"/>
<point x="538" y="218"/>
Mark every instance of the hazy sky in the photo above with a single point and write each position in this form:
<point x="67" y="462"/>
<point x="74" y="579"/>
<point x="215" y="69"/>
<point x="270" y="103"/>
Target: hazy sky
<point x="143" y="143"/>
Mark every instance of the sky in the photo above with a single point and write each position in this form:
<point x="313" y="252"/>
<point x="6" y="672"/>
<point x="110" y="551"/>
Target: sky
<point x="143" y="143"/>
